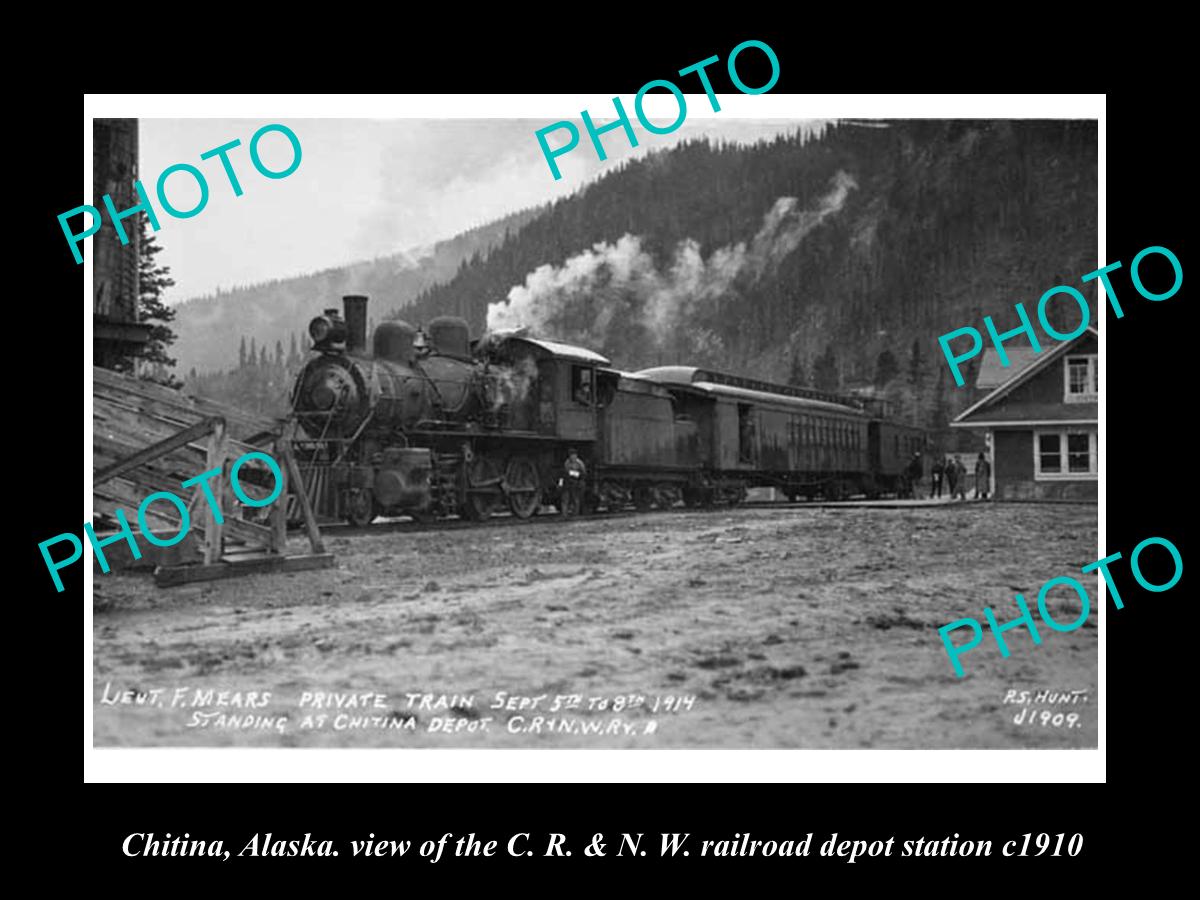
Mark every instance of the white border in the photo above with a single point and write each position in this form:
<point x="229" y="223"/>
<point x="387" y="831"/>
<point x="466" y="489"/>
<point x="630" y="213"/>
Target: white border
<point x="300" y="765"/>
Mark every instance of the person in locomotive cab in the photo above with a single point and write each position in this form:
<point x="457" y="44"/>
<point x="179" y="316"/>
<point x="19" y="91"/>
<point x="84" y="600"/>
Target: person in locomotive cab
<point x="573" y="482"/>
<point x="983" y="477"/>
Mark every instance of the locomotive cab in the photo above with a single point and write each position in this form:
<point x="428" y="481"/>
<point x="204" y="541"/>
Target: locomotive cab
<point x="552" y="388"/>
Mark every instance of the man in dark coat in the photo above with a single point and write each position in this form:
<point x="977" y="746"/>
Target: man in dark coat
<point x="915" y="470"/>
<point x="983" y="477"/>
<point x="936" y="473"/>
<point x="952" y="477"/>
<point x="960" y="477"/>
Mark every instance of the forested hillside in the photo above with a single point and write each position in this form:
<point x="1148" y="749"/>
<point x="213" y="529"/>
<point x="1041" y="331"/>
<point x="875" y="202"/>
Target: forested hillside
<point x="210" y="327"/>
<point x="836" y="261"/>
<point x="833" y="261"/>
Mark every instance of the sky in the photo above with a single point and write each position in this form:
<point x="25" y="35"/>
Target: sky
<point x="365" y="187"/>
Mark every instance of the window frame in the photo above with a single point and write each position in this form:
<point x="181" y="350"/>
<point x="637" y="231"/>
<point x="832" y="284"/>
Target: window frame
<point x="1064" y="454"/>
<point x="1092" y="396"/>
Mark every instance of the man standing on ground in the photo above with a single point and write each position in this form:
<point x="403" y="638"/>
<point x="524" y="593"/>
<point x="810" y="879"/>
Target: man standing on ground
<point x="983" y="477"/>
<point x="573" y="482"/>
<point x="960" y="476"/>
<point x="935" y="474"/>
<point x="916" y="469"/>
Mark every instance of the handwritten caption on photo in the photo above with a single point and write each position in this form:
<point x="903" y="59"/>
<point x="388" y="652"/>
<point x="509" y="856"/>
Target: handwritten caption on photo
<point x="596" y="715"/>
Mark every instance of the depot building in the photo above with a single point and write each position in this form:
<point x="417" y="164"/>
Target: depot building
<point x="1039" y="417"/>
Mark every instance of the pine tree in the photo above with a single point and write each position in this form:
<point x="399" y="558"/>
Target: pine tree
<point x="798" y="376"/>
<point x="153" y="281"/>
<point x="242" y="353"/>
<point x="293" y="354"/>
<point x="916" y="368"/>
<point x="886" y="368"/>
<point x="262" y="357"/>
<point x="279" y="354"/>
<point x="825" y="371"/>
<point x="916" y="384"/>
<point x="252" y="359"/>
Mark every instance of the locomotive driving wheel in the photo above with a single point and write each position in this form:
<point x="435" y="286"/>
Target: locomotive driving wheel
<point x="522" y="486"/>
<point x="483" y="480"/>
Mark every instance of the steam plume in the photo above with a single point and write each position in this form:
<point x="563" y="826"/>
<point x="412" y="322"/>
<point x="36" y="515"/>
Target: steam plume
<point x="614" y="297"/>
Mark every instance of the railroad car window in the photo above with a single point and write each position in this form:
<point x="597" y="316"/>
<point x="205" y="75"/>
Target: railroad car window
<point x="745" y="433"/>
<point x="582" y="389"/>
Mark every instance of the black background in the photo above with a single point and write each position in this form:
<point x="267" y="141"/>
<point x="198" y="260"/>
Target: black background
<point x="1148" y="466"/>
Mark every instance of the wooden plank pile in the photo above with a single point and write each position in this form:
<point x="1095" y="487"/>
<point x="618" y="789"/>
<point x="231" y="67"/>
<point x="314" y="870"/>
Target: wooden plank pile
<point x="148" y="438"/>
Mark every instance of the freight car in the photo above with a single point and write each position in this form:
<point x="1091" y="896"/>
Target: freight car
<point x="431" y="424"/>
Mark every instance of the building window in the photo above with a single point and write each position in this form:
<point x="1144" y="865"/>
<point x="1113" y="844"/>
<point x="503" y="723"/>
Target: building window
<point x="1081" y="376"/>
<point x="1064" y="454"/>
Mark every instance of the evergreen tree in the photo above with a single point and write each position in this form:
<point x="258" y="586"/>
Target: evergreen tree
<point x="798" y="376"/>
<point x="918" y="402"/>
<point x="279" y="354"/>
<point x="252" y="359"/>
<point x="916" y="367"/>
<point x="153" y="281"/>
<point x="242" y="353"/>
<point x="940" y="419"/>
<point x="293" y="354"/>
<point x="263" y="362"/>
<point x="825" y="371"/>
<point x="886" y="368"/>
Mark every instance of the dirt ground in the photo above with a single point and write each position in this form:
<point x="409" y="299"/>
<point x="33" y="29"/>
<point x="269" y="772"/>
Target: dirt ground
<point x="747" y="628"/>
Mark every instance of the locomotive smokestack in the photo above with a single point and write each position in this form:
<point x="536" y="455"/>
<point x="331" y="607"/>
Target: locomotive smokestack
<point x="356" y="322"/>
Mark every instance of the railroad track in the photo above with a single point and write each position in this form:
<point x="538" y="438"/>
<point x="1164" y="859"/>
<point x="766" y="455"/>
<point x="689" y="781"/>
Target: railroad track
<point x="505" y="520"/>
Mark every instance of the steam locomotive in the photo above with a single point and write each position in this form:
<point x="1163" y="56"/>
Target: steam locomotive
<point x="429" y="424"/>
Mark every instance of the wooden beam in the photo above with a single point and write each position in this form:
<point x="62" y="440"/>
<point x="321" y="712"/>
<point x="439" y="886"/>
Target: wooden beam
<point x="154" y="451"/>
<point x="165" y="576"/>
<point x="310" y="521"/>
<point x="213" y="544"/>
<point x="279" y="509"/>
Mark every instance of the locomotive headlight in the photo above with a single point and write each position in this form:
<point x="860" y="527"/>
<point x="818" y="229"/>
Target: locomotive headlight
<point x="319" y="328"/>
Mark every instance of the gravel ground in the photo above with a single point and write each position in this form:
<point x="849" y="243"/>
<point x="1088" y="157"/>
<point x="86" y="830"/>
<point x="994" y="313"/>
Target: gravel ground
<point x="746" y="628"/>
